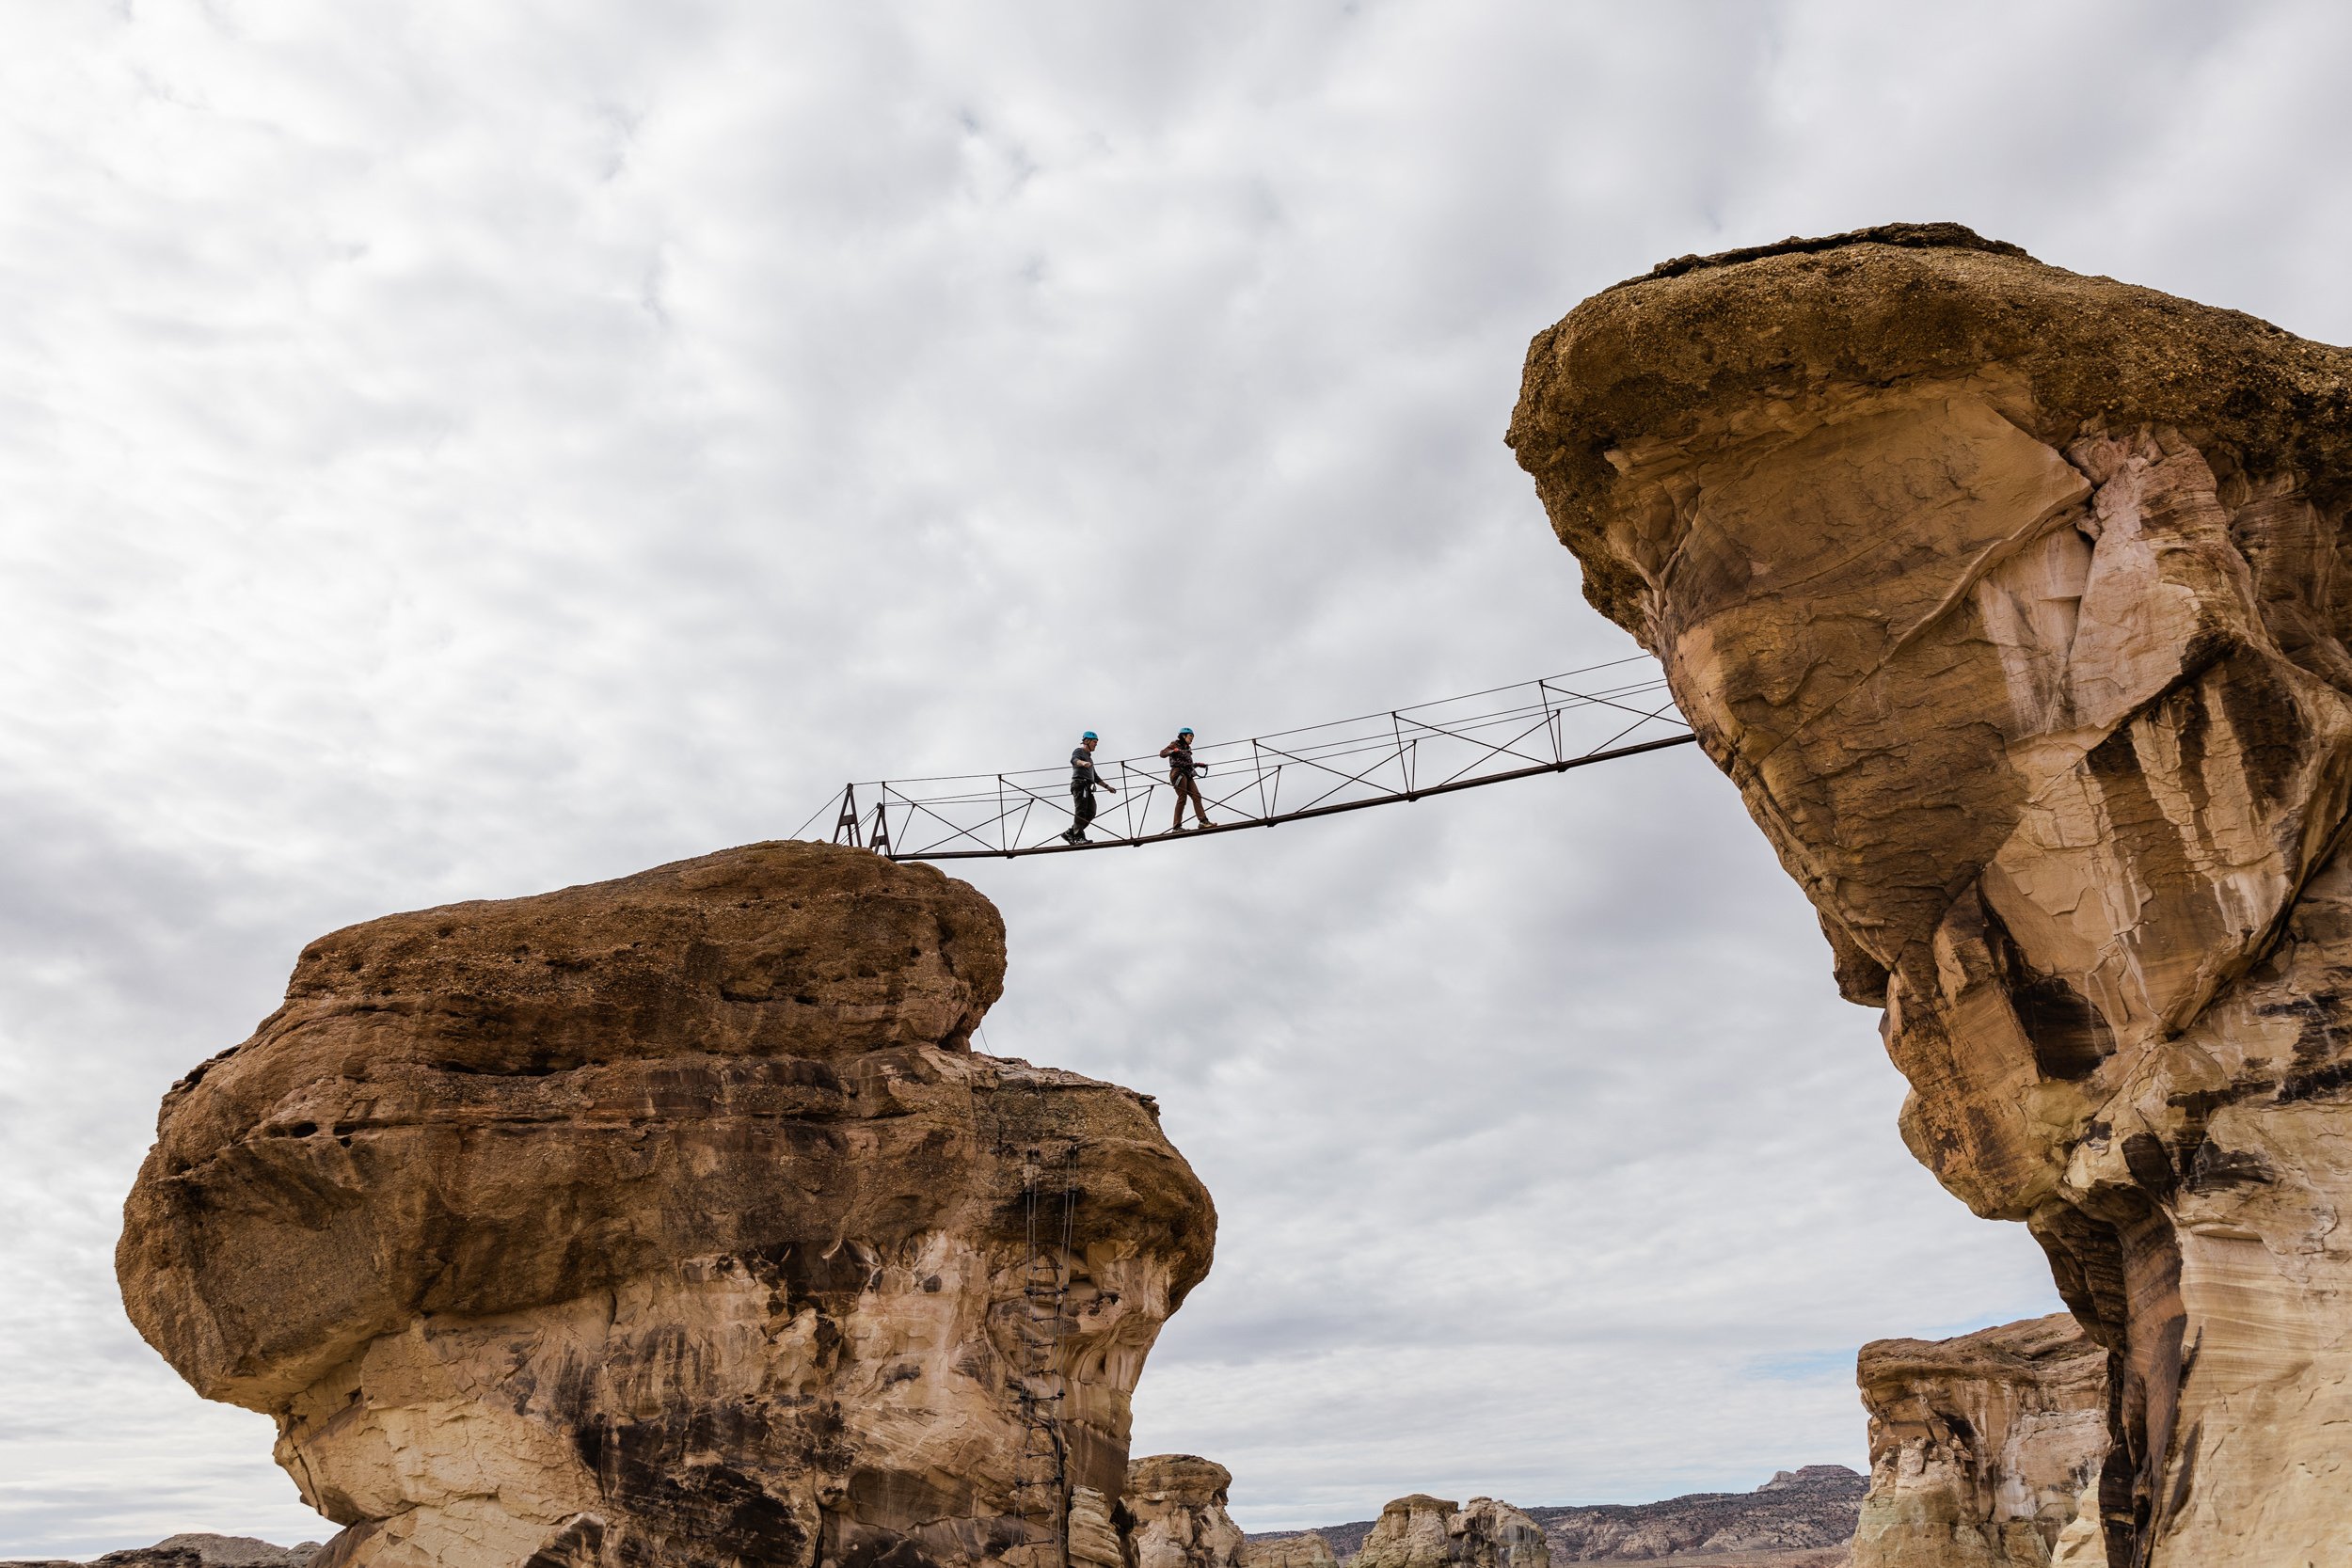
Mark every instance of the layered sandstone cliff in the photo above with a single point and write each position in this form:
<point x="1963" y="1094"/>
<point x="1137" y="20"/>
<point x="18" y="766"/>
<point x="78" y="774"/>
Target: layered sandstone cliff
<point x="668" y="1220"/>
<point x="1981" y="1448"/>
<point x="2016" y="604"/>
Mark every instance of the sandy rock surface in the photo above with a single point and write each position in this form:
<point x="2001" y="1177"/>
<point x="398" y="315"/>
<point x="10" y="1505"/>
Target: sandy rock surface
<point x="2015" y="604"/>
<point x="665" y="1220"/>
<point x="1981" y="1446"/>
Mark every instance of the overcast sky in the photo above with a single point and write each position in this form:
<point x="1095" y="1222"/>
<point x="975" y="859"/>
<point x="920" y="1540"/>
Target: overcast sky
<point x="460" y="449"/>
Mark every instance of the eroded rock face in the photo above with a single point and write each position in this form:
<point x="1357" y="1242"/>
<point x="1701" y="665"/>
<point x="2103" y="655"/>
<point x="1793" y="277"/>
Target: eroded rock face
<point x="667" y="1220"/>
<point x="1175" y="1513"/>
<point x="1307" y="1549"/>
<point x="2016" y="604"/>
<point x="1982" y="1446"/>
<point x="1423" y="1531"/>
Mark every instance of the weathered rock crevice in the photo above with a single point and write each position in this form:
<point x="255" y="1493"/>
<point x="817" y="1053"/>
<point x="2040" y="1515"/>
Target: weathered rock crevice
<point x="668" y="1220"/>
<point x="2014" y="603"/>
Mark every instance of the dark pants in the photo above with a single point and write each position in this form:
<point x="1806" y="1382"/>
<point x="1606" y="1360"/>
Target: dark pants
<point x="1081" y="808"/>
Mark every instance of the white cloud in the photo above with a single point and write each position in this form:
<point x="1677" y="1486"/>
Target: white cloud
<point x="459" y="450"/>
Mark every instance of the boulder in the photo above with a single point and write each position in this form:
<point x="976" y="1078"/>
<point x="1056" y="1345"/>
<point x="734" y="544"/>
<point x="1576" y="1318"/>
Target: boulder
<point x="2016" y="604"/>
<point x="1982" y="1446"/>
<point x="1175" y="1513"/>
<point x="667" y="1220"/>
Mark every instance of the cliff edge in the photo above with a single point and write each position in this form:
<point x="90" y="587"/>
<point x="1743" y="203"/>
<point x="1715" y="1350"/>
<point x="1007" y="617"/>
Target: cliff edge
<point x="2016" y="604"/>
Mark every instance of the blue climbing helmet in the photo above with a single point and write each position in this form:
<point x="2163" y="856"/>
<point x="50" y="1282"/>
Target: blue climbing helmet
<point x="1187" y="730"/>
<point x="1089" y="736"/>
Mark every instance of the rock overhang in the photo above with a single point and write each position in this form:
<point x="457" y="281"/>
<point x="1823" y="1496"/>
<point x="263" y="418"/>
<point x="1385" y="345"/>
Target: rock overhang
<point x="1668" y="356"/>
<point x="2017" y="605"/>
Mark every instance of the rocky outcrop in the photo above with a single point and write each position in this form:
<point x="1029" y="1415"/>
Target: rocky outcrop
<point x="1306" y="1549"/>
<point x="1805" y="1510"/>
<point x="2016" y="604"/>
<point x="1423" y="1531"/>
<point x="195" y="1551"/>
<point x="1174" y="1512"/>
<point x="1981" y="1446"/>
<point x="668" y="1220"/>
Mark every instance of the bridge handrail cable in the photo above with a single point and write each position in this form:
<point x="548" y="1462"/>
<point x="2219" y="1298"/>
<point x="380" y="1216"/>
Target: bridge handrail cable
<point x="1342" y="765"/>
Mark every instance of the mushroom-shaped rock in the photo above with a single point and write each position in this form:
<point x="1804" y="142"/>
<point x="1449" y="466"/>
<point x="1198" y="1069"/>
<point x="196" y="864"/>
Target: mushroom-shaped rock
<point x="2016" y="603"/>
<point x="667" y="1220"/>
<point x="1982" y="1447"/>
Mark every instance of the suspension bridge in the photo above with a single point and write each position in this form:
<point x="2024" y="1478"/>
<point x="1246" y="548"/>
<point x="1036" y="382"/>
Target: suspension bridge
<point x="1600" y="713"/>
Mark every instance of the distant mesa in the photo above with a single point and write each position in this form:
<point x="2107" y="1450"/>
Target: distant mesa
<point x="196" y="1551"/>
<point x="1799" y="1519"/>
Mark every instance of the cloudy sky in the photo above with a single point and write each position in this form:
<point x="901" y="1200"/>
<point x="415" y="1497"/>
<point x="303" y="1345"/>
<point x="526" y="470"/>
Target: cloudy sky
<point x="459" y="450"/>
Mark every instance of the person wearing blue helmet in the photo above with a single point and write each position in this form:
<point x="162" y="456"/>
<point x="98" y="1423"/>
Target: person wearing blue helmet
<point x="1183" y="773"/>
<point x="1083" y="783"/>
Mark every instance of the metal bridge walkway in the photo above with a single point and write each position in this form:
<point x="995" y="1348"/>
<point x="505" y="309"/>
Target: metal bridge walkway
<point x="1597" y="713"/>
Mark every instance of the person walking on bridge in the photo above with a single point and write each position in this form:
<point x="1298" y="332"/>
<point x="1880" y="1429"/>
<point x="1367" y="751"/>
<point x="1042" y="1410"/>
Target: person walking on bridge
<point x="1083" y="783"/>
<point x="1183" y="773"/>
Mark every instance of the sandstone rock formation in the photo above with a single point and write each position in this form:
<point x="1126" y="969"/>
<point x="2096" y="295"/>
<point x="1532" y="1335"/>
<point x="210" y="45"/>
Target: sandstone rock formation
<point x="664" y="1221"/>
<point x="1807" y="1510"/>
<point x="1175" y="1513"/>
<point x="1981" y="1446"/>
<point x="1423" y="1531"/>
<point x="2016" y="604"/>
<point x="1305" y="1549"/>
<point x="1090" y="1530"/>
